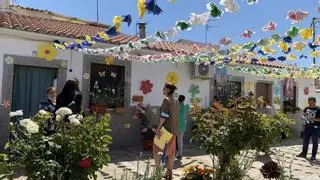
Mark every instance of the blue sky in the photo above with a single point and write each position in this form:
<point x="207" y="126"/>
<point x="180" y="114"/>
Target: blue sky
<point x="251" y="17"/>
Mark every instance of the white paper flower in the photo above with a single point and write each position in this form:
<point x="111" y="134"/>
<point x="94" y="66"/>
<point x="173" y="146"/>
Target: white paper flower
<point x="86" y="76"/>
<point x="199" y="19"/>
<point x="172" y="32"/>
<point x="16" y="113"/>
<point x="9" y="60"/>
<point x="43" y="112"/>
<point x="230" y="5"/>
<point x="64" y="111"/>
<point x="58" y="118"/>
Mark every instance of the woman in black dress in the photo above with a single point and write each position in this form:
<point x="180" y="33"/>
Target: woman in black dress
<point x="70" y="97"/>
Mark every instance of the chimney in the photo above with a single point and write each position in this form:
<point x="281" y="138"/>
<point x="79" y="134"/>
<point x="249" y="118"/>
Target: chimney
<point x="5" y="5"/>
<point x="142" y="29"/>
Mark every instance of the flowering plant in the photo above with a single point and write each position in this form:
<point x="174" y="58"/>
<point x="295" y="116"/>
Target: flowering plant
<point x="140" y="113"/>
<point x="76" y="150"/>
<point x="98" y="95"/>
<point x="196" y="172"/>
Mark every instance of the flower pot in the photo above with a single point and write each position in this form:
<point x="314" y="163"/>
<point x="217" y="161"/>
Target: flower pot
<point x="120" y="110"/>
<point x="99" y="109"/>
<point x="147" y="145"/>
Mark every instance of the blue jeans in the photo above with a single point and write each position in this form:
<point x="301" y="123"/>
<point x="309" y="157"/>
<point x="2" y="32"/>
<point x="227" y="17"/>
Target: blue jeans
<point x="310" y="131"/>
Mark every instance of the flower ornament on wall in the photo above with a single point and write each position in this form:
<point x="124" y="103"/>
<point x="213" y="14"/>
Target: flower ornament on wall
<point x="194" y="90"/>
<point x="6" y="104"/>
<point x="102" y="74"/>
<point x="86" y="76"/>
<point x="9" y="60"/>
<point x="173" y="78"/>
<point x="47" y="52"/>
<point x="306" y="91"/>
<point x="195" y="100"/>
<point x="146" y="87"/>
<point x="276" y="89"/>
<point x="249" y="86"/>
<point x="63" y="64"/>
<point x="108" y="60"/>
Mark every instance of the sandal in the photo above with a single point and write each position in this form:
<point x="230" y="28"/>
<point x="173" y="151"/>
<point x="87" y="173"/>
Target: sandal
<point x="168" y="175"/>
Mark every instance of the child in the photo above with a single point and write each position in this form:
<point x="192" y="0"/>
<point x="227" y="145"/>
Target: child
<point x="184" y="109"/>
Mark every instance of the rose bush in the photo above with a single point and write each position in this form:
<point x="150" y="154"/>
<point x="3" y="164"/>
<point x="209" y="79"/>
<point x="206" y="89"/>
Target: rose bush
<point x="78" y="148"/>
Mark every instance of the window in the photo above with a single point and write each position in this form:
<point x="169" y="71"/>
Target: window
<point x="290" y="105"/>
<point x="107" y="85"/>
<point x="230" y="90"/>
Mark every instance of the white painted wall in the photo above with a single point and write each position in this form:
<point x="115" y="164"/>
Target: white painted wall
<point x="26" y="48"/>
<point x="157" y="74"/>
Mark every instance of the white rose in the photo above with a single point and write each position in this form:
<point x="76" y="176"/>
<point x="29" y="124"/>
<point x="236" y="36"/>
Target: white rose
<point x="30" y="126"/>
<point x="43" y="112"/>
<point x="25" y="122"/>
<point x="64" y="111"/>
<point x="75" y="120"/>
<point x="58" y="118"/>
<point x="16" y="113"/>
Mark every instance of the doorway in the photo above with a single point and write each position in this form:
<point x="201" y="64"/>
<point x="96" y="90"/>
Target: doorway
<point x="29" y="87"/>
<point x="264" y="90"/>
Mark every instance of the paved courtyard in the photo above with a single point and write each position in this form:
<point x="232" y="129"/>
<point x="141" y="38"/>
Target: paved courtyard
<point x="127" y="159"/>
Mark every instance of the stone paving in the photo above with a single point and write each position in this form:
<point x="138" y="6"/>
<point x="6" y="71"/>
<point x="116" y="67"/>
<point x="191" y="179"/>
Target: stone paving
<point x="127" y="159"/>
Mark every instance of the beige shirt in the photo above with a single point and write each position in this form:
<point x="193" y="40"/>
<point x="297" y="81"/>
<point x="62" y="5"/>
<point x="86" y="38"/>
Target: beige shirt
<point x="169" y="110"/>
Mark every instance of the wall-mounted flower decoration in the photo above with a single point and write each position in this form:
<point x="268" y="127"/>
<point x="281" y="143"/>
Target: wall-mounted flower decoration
<point x="195" y="109"/>
<point x="194" y="90"/>
<point x="108" y="60"/>
<point x="146" y="86"/>
<point x="86" y="76"/>
<point x="276" y="90"/>
<point x="195" y="100"/>
<point x="102" y="74"/>
<point x="277" y="100"/>
<point x="9" y="60"/>
<point x="47" y="52"/>
<point x="173" y="78"/>
<point x="6" y="104"/>
<point x="306" y="91"/>
<point x="249" y="86"/>
<point x="63" y="64"/>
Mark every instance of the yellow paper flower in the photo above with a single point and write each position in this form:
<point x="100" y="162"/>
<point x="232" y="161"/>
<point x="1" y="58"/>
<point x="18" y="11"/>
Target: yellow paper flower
<point x="108" y="60"/>
<point x="291" y="57"/>
<point x="315" y="54"/>
<point x="263" y="60"/>
<point x="89" y="39"/>
<point x="141" y="8"/>
<point x="272" y="42"/>
<point x="299" y="46"/>
<point x="268" y="50"/>
<point x="283" y="46"/>
<point x="117" y="20"/>
<point x="47" y="52"/>
<point x="104" y="36"/>
<point x="173" y="78"/>
<point x="249" y="86"/>
<point x="306" y="33"/>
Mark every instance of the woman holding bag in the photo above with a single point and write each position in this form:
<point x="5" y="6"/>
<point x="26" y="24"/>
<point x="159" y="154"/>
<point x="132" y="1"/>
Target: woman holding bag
<point x="169" y="118"/>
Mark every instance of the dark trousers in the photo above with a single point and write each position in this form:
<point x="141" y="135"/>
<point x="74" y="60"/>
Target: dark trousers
<point x="310" y="131"/>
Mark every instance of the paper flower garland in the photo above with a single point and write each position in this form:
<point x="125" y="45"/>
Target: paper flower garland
<point x="9" y="60"/>
<point x="306" y="33"/>
<point x="199" y="19"/>
<point x="152" y="7"/>
<point x="141" y="8"/>
<point x="214" y="10"/>
<point x="230" y="5"/>
<point x="173" y="78"/>
<point x="183" y="25"/>
<point x="47" y="52"/>
<point x="284" y="47"/>
<point x="117" y="20"/>
<point x="247" y="34"/>
<point x="299" y="46"/>
<point x="146" y="87"/>
<point x="293" y="32"/>
<point x="250" y="2"/>
<point x="194" y="90"/>
<point x="297" y="16"/>
<point x="6" y="104"/>
<point x="271" y="26"/>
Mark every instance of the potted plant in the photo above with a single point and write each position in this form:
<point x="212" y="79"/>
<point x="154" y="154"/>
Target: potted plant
<point x="98" y="99"/>
<point x="148" y="130"/>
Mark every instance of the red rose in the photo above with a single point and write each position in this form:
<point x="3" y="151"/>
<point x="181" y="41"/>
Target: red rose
<point x="86" y="163"/>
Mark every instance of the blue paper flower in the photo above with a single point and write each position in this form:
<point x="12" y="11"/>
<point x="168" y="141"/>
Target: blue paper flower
<point x="282" y="58"/>
<point x="152" y="7"/>
<point x="127" y="19"/>
<point x="287" y="39"/>
<point x="112" y="31"/>
<point x="271" y="59"/>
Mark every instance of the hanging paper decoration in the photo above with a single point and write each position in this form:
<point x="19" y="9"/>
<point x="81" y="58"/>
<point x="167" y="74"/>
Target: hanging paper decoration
<point x="117" y="20"/>
<point x="271" y="59"/>
<point x="172" y="1"/>
<point x="214" y="10"/>
<point x="297" y="16"/>
<point x="183" y="25"/>
<point x="199" y="19"/>
<point x="108" y="60"/>
<point x="271" y="26"/>
<point x="314" y="54"/>
<point x="247" y="34"/>
<point x="86" y="76"/>
<point x="282" y="58"/>
<point x="9" y="60"/>
<point x="146" y="87"/>
<point x="173" y="78"/>
<point x="263" y="42"/>
<point x="299" y="46"/>
<point x="249" y="46"/>
<point x="293" y="31"/>
<point x="291" y="57"/>
<point x="6" y="104"/>
<point x="141" y="8"/>
<point x="225" y="41"/>
<point x="250" y="2"/>
<point x="161" y="35"/>
<point x="47" y="52"/>
<point x="58" y="45"/>
<point x="284" y="47"/>
<point x="127" y="19"/>
<point x="230" y="5"/>
<point x="268" y="50"/>
<point x="306" y="91"/>
<point x="249" y="86"/>
<point x="173" y="32"/>
<point x="306" y="33"/>
<point x="194" y="90"/>
<point x="152" y="7"/>
<point x="287" y="39"/>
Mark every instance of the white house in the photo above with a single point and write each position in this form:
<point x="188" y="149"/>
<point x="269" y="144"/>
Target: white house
<point x="25" y="77"/>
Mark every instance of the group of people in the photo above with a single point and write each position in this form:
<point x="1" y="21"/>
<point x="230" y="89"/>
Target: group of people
<point x="69" y="97"/>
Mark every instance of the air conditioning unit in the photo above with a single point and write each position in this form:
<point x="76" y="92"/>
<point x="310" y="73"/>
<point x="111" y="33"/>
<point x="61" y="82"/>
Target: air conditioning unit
<point x="201" y="71"/>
